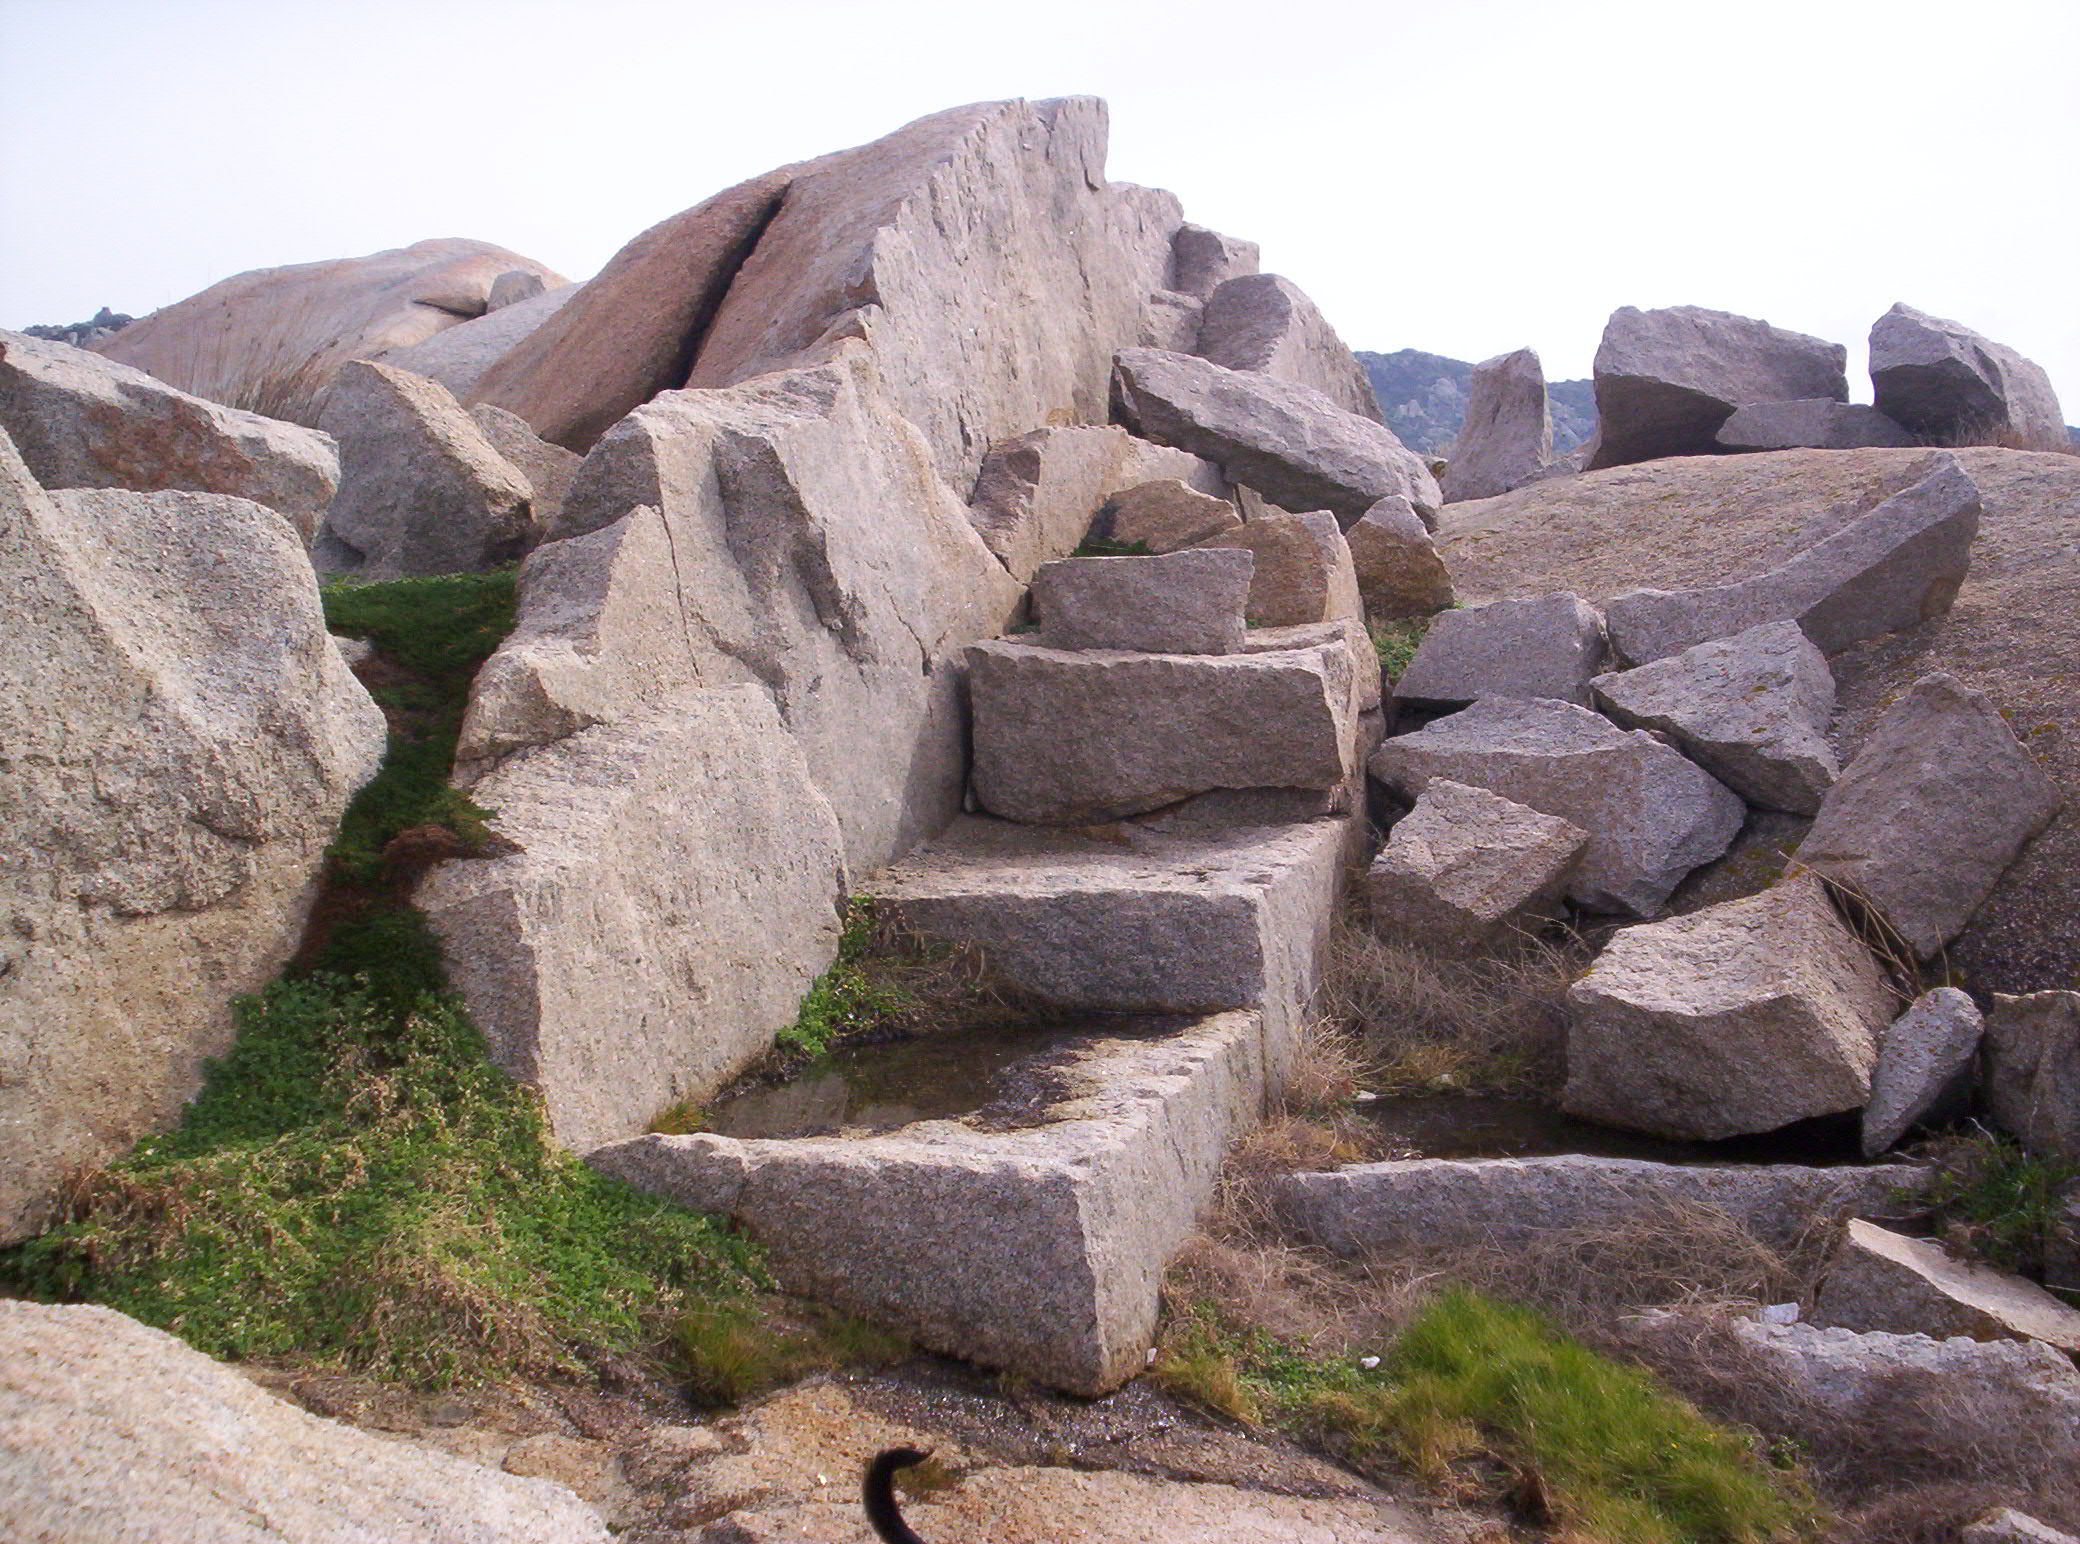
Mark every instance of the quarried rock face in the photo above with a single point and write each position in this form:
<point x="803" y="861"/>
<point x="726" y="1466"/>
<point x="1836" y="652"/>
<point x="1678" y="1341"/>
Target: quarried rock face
<point x="1742" y="1017"/>
<point x="181" y="737"/>
<point x="2033" y="1069"/>
<point x="1181" y="603"/>
<point x="1545" y="647"/>
<point x="1818" y="423"/>
<point x="1262" y="322"/>
<point x="1944" y="380"/>
<point x="1666" y="380"/>
<point x="1399" y="571"/>
<point x="1302" y="572"/>
<point x="1651" y="815"/>
<point x="1292" y="444"/>
<point x="1507" y="437"/>
<point x="421" y="489"/>
<point x="1752" y="710"/>
<point x="81" y="421"/>
<point x="1893" y="568"/>
<point x="1879" y="1280"/>
<point x="270" y="340"/>
<point x="1930" y="812"/>
<point x="1464" y="864"/>
<point x="116" y="1432"/>
<point x="1921" y="1055"/>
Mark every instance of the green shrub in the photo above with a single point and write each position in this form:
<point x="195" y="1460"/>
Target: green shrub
<point x="1996" y="1201"/>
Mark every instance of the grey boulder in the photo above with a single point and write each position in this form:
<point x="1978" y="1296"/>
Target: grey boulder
<point x="548" y="468"/>
<point x="1262" y="322"/>
<point x="1507" y="435"/>
<point x="1548" y="647"/>
<point x="1922" y="1056"/>
<point x="1202" y="260"/>
<point x="1817" y="423"/>
<point x="1181" y="603"/>
<point x="1465" y="864"/>
<point x="1942" y="379"/>
<point x="2033" y="1070"/>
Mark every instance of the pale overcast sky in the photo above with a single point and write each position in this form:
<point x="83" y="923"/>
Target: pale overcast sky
<point x="1465" y="177"/>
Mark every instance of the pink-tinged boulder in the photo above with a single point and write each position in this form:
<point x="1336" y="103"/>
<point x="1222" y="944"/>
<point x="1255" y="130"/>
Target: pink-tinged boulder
<point x="1166" y="515"/>
<point x="2033" y="1070"/>
<point x="1202" y="260"/>
<point x="1303" y="569"/>
<point x="1943" y="380"/>
<point x="1039" y="495"/>
<point x="1400" y="573"/>
<point x="1507" y="436"/>
<point x="1177" y="603"/>
<point x="1263" y="322"/>
<point x="270" y="340"/>
<point x="1666" y="380"/>
<point x="459" y="356"/>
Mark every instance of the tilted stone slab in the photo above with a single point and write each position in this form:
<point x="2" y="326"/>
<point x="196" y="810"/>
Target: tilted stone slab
<point x="1181" y="603"/>
<point x="1930" y="812"/>
<point x="111" y="1431"/>
<point x="459" y="357"/>
<point x="1303" y="572"/>
<point x="1424" y="1203"/>
<point x="1667" y="379"/>
<point x="1073" y="737"/>
<point x="1544" y="647"/>
<point x="1745" y="1016"/>
<point x="1263" y="322"/>
<point x="1040" y="1251"/>
<point x="1399" y="571"/>
<point x="1166" y="515"/>
<point x="1818" y="423"/>
<point x="2033" y="1070"/>
<point x="81" y="421"/>
<point x="1922" y="1055"/>
<point x="1292" y="444"/>
<point x="1652" y="815"/>
<point x="1940" y="378"/>
<point x="181" y="737"/>
<point x="421" y="489"/>
<point x="1880" y="1280"/>
<point x="1752" y="710"/>
<point x="1896" y="567"/>
<point x="1465" y="864"/>
<point x="1507" y="435"/>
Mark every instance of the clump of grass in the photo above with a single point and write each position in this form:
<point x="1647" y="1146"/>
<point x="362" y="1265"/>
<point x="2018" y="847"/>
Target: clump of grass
<point x="1396" y="643"/>
<point x="730" y="1351"/>
<point x="680" y="1119"/>
<point x="1995" y="1201"/>
<point x="852" y="997"/>
<point x="888" y="982"/>
<point x="1106" y="547"/>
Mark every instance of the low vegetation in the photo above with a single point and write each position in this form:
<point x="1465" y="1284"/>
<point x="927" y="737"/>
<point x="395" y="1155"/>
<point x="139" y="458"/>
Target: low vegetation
<point x="1997" y="1202"/>
<point x="1396" y="642"/>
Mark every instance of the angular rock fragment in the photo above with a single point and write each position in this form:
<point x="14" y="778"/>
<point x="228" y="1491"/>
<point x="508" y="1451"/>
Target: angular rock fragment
<point x="1818" y="423"/>
<point x="1465" y="864"/>
<point x="548" y="468"/>
<point x="1651" y="815"/>
<point x="1303" y="569"/>
<point x="1879" y="1280"/>
<point x="1166" y="515"/>
<point x="1752" y="710"/>
<point x="1399" y="571"/>
<point x="1547" y="647"/>
<point x="421" y="489"/>
<point x="1073" y="738"/>
<point x="1930" y="812"/>
<point x="1943" y="380"/>
<point x="1921" y="1056"/>
<point x="1742" y="1017"/>
<point x="1037" y="496"/>
<point x="81" y="421"/>
<point x="1507" y="435"/>
<point x="2033" y="1070"/>
<point x="512" y="287"/>
<point x="1346" y="633"/>
<point x="1171" y="321"/>
<point x="459" y="357"/>
<point x="1292" y="444"/>
<point x="1182" y="603"/>
<point x="1263" y="323"/>
<point x="1202" y="260"/>
<point x="1895" y="567"/>
<point x="2005" y="1525"/>
<point x="1666" y="380"/>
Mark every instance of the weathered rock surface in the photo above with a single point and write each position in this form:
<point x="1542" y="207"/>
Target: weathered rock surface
<point x="1465" y="864"/>
<point x="1508" y="432"/>
<point x="421" y="489"/>
<point x="1420" y="1203"/>
<point x="672" y="896"/>
<point x="1180" y="603"/>
<point x="1399" y="571"/>
<point x="790" y="532"/>
<point x="1289" y="442"/>
<point x="111" y="1432"/>
<point x="1741" y="1017"/>
<point x="1037" y="496"/>
<point x="269" y="340"/>
<point x="1818" y="423"/>
<point x="1930" y="812"/>
<point x="1667" y="379"/>
<point x="1921" y="1055"/>
<point x="1202" y="260"/>
<point x="458" y="356"/>
<point x="2033" y="1070"/>
<point x="1263" y="322"/>
<point x="181" y="737"/>
<point x="1896" y="567"/>
<point x="1651" y="815"/>
<point x="1547" y="647"/>
<point x="1166" y="515"/>
<point x="2005" y="1525"/>
<point x="1074" y="737"/>
<point x="1942" y="379"/>
<point x="1303" y="571"/>
<point x="81" y="421"/>
<point x="1878" y="1280"/>
<point x="1752" y="710"/>
<point x="1170" y="320"/>
<point x="547" y="468"/>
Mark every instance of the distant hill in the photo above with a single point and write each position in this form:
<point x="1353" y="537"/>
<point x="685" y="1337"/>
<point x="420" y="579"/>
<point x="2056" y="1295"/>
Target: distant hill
<point x="1423" y="399"/>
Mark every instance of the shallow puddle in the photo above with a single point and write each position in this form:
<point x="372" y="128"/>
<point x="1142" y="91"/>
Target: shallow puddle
<point x="1493" y="1126"/>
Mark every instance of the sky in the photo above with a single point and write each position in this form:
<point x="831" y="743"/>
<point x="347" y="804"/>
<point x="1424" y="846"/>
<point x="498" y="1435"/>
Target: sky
<point x="1462" y="176"/>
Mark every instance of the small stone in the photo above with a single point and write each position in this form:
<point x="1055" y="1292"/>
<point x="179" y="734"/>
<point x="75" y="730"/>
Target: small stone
<point x="1303" y="570"/>
<point x="1465" y="864"/>
<point x="1167" y="515"/>
<point x="1921" y="1055"/>
<point x="1400" y="573"/>
<point x="1548" y="647"/>
<point x="2033" y="1070"/>
<point x="2008" y="1526"/>
<point x="1880" y="1280"/>
<point x="1508" y="432"/>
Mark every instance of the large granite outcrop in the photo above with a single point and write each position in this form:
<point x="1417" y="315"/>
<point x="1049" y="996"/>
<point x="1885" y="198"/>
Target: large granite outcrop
<point x="1507" y="438"/>
<point x="180" y="738"/>
<point x="270" y="340"/>
<point x="1943" y="380"/>
<point x="1262" y="322"/>
<point x="81" y="421"/>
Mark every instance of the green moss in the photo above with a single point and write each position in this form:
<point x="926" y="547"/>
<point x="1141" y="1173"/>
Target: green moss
<point x="1396" y="642"/>
<point x="850" y="997"/>
<point x="1105" y="547"/>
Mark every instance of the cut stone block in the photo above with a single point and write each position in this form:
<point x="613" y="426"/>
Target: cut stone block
<point x="1303" y="569"/>
<point x="1880" y="1280"/>
<point x="1181" y="603"/>
<point x="1466" y="864"/>
<point x="1818" y="423"/>
<point x="1928" y="815"/>
<point x="1896" y="567"/>
<point x="1399" y="571"/>
<point x="1507" y="435"/>
<point x="2033" y="1070"/>
<point x="1752" y="710"/>
<point x="1742" y="1017"/>
<point x="1070" y="738"/>
<point x="1922" y="1055"/>
<point x="1652" y="815"/>
<point x="1548" y="647"/>
<point x="1166" y="515"/>
<point x="1263" y="323"/>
